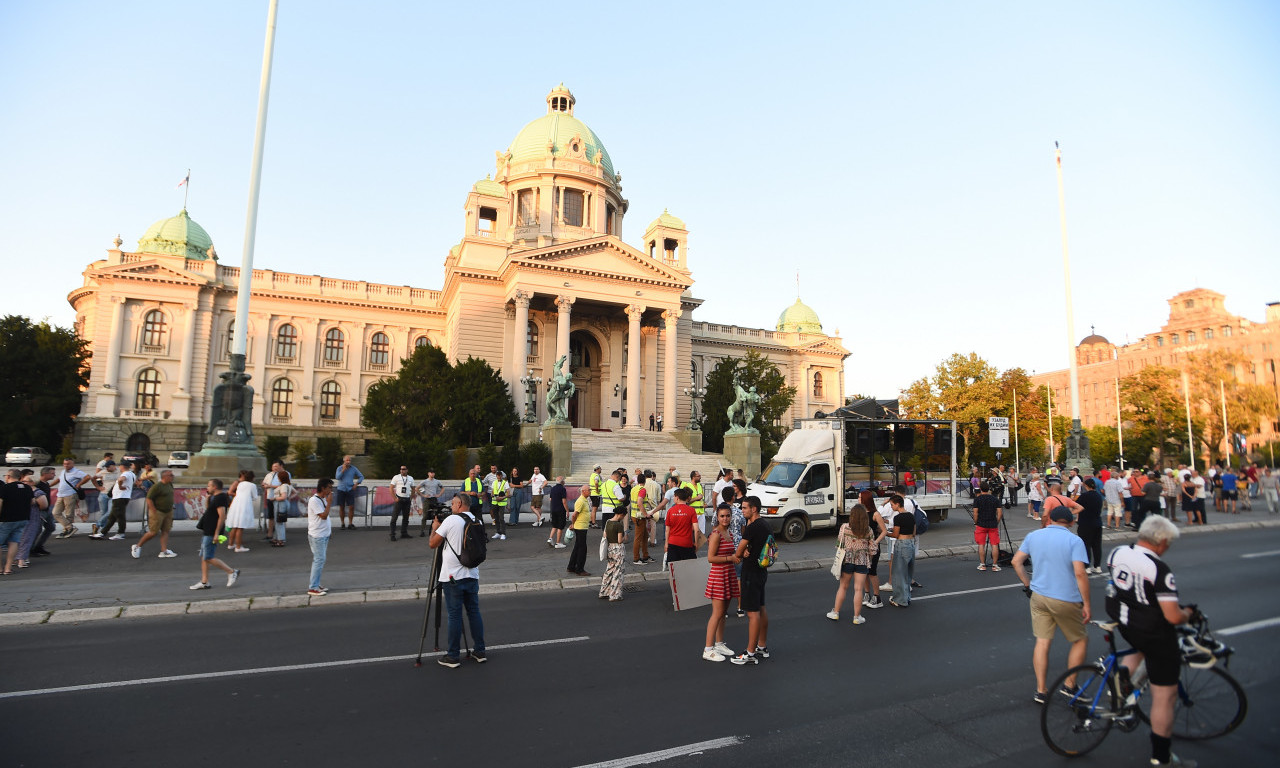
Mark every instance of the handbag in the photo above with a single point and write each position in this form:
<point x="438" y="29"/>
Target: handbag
<point x="604" y="548"/>
<point x="838" y="563"/>
<point x="569" y="534"/>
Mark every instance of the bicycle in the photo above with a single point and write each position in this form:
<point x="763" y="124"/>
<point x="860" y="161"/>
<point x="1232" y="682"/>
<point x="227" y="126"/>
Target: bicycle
<point x="1209" y="703"/>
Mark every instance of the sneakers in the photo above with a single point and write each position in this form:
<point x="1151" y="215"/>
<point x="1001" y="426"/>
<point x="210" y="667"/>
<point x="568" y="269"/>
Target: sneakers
<point x="875" y="602"/>
<point x="117" y="537"/>
<point x="550" y="543"/>
<point x="167" y="553"/>
<point x="647" y="560"/>
<point x="637" y="562"/>
<point x="241" y="549"/>
<point x="982" y="566"/>
<point x="95" y="535"/>
<point x="479" y="657"/>
<point x="833" y="615"/>
<point x="709" y="654"/>
<point x="917" y="585"/>
<point x="321" y="592"/>
<point x="745" y="658"/>
<point x="762" y="652"/>
<point x="1175" y="760"/>
<point x="136" y="551"/>
<point x="859" y="619"/>
<point x="1039" y="697"/>
<point x="502" y="536"/>
<point x="233" y="577"/>
<point x="71" y="532"/>
<point x="723" y="649"/>
<point x="995" y="567"/>
<point x="199" y="585"/>
<point x="452" y="662"/>
<point x="560" y="545"/>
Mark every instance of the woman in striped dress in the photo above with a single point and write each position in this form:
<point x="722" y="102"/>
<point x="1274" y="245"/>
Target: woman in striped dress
<point x="722" y="583"/>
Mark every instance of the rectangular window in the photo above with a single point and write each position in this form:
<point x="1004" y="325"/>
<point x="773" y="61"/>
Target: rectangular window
<point x="1191" y="336"/>
<point x="1208" y="334"/>
<point x="526" y="213"/>
<point x="573" y="204"/>
<point x="488" y="221"/>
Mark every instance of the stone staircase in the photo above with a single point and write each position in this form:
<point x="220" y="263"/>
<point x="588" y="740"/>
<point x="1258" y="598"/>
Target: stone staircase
<point x="642" y="449"/>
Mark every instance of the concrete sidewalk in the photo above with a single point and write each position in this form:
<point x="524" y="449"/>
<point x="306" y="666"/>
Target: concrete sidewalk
<point x="87" y="580"/>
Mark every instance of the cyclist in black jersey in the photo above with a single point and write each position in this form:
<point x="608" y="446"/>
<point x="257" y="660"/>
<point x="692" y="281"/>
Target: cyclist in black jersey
<point x="1143" y="598"/>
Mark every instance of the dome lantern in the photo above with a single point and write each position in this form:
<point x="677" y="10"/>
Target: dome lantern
<point x="799" y="318"/>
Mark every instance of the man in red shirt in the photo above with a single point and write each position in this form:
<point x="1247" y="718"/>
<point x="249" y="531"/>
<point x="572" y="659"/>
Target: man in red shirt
<point x="681" y="521"/>
<point x="1137" y="480"/>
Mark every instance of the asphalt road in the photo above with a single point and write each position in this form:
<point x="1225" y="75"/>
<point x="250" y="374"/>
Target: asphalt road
<point x="946" y="682"/>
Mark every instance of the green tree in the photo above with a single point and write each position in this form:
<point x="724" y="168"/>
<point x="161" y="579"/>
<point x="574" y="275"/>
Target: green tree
<point x="43" y="369"/>
<point x="1215" y="378"/>
<point x="329" y="453"/>
<point x="301" y="452"/>
<point x="1104" y="447"/>
<point x="274" y="447"/>
<point x="965" y="388"/>
<point x="754" y="370"/>
<point x="1153" y="413"/>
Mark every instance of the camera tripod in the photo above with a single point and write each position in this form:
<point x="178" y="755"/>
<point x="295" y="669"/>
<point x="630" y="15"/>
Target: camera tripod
<point x="436" y="594"/>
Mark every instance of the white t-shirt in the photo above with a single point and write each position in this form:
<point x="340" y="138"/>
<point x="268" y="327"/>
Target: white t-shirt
<point x="718" y="487"/>
<point x="127" y="480"/>
<point x="67" y="483"/>
<point x="402" y="485"/>
<point x="453" y="530"/>
<point x="1035" y="489"/>
<point x="1073" y="485"/>
<point x="282" y="492"/>
<point x="537" y="483"/>
<point x="1199" y="483"/>
<point x="317" y="526"/>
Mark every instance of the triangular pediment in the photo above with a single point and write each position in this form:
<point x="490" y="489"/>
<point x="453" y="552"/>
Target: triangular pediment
<point x="604" y="256"/>
<point x="825" y="346"/>
<point x="152" y="271"/>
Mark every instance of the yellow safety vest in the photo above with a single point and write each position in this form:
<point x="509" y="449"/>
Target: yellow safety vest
<point x="500" y="487"/>
<point x="470" y="485"/>
<point x="698" y="501"/>
<point x="593" y="484"/>
<point x="636" y="505"/>
<point x="609" y="500"/>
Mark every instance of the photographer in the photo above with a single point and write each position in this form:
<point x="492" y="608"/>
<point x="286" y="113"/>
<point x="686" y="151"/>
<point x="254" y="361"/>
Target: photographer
<point x="461" y="584"/>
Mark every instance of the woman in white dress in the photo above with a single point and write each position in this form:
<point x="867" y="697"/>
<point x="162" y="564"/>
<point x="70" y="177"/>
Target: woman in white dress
<point x="241" y="514"/>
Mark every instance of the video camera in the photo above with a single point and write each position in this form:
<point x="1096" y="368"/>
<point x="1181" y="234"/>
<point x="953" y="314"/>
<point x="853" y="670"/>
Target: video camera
<point x="437" y="510"/>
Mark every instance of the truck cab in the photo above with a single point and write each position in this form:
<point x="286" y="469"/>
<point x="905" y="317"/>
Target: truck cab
<point x="800" y="489"/>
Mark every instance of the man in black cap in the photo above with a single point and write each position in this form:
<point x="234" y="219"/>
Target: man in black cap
<point x="1059" y="590"/>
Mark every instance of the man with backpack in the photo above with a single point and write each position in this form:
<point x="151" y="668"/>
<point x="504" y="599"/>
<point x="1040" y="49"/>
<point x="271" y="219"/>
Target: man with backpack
<point x="757" y="540"/>
<point x="463" y="538"/>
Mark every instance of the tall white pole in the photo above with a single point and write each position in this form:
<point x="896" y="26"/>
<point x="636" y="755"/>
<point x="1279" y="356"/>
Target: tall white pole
<point x="239" y="340"/>
<point x="1017" y="458"/>
<point x="1226" y="431"/>
<point x="1119" y="416"/>
<point x="1048" y="396"/>
<point x="1186" y="399"/>
<point x="1066" y="280"/>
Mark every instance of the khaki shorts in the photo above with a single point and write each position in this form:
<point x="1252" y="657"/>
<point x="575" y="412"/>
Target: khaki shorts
<point x="160" y="522"/>
<point x="536" y="501"/>
<point x="1114" y="510"/>
<point x="1047" y="613"/>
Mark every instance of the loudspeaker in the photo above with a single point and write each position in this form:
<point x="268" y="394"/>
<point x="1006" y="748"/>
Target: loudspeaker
<point x="942" y="441"/>
<point x="884" y="438"/>
<point x="861" y="442"/>
<point x="904" y="439"/>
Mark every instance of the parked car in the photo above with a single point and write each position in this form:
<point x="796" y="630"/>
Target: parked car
<point x="138" y="458"/>
<point x="179" y="459"/>
<point x="27" y="456"/>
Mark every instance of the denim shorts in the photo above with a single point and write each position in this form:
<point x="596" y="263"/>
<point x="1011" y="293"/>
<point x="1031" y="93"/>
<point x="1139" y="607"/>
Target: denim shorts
<point x="208" y="549"/>
<point x="344" y="498"/>
<point x="12" y="532"/>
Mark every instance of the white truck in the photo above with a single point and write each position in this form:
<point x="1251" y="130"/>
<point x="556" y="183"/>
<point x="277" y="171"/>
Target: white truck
<point x="823" y="464"/>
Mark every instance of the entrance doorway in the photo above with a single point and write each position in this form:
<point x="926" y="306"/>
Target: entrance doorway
<point x="585" y="366"/>
<point x="138" y="442"/>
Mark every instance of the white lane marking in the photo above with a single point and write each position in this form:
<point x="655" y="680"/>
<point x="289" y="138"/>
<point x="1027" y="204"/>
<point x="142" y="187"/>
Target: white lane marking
<point x="1015" y="585"/>
<point x="1261" y="554"/>
<point x="667" y="754"/>
<point x="1240" y="629"/>
<point x="260" y="670"/>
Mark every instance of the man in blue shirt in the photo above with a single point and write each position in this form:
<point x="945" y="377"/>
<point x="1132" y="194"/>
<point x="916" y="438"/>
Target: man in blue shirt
<point x="1059" y="592"/>
<point x="346" y="477"/>
<point x="1230" y="489"/>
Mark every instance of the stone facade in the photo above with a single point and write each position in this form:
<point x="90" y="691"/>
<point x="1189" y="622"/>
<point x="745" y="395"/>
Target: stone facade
<point x="540" y="272"/>
<point x="1198" y="323"/>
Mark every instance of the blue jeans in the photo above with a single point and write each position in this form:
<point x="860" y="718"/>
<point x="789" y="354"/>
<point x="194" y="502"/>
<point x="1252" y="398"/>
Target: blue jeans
<point x="319" y="551"/>
<point x="104" y="509"/>
<point x="517" y="501"/>
<point x="904" y="570"/>
<point x="459" y="594"/>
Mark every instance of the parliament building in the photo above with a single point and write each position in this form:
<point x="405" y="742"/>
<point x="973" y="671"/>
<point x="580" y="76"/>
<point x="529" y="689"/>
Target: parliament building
<point x="540" y="272"/>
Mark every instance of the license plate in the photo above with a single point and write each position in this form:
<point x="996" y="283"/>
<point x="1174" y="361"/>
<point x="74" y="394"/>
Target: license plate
<point x="813" y="498"/>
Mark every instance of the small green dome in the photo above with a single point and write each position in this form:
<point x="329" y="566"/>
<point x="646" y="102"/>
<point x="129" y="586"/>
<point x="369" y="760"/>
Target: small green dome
<point x="179" y="236"/>
<point x="799" y="318"/>
<point x="487" y="186"/>
<point x="668" y="221"/>
<point x="557" y="128"/>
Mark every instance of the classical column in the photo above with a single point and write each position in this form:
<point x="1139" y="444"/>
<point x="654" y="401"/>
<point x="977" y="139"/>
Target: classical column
<point x="259" y="381"/>
<point x="634" y="313"/>
<point x="188" y="350"/>
<point x="520" y="340"/>
<point x="668" y="410"/>
<point x="564" y="305"/>
<point x="110" y="382"/>
<point x="806" y="387"/>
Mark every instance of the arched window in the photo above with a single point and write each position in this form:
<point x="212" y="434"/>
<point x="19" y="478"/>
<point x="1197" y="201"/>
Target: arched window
<point x="287" y="342"/>
<point x="282" y="399"/>
<point x="421" y="341"/>
<point x="693" y="372"/>
<point x="153" y="327"/>
<point x="333" y="343"/>
<point x="330" y="393"/>
<point x="231" y="332"/>
<point x="532" y="340"/>
<point x="148" y="396"/>
<point x="817" y="384"/>
<point x="379" y="349"/>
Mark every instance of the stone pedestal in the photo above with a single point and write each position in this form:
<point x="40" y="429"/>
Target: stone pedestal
<point x="559" y="438"/>
<point x="691" y="439"/>
<point x="742" y="451"/>
<point x="529" y="433"/>
<point x="224" y="463"/>
<point x="1078" y="455"/>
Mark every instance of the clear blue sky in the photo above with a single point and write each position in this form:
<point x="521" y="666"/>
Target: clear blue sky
<point x="898" y="154"/>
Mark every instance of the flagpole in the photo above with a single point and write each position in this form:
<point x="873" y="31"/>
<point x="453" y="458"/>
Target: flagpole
<point x="1017" y="457"/>
<point x="186" y="189"/>
<point x="1048" y="396"/>
<point x="1077" y="441"/>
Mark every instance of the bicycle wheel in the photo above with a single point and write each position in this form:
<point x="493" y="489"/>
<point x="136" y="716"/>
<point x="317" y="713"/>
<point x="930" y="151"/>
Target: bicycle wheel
<point x="1210" y="703"/>
<point x="1073" y="724"/>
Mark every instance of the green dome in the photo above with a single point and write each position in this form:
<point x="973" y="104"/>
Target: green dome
<point x="799" y="318"/>
<point x="558" y="127"/>
<point x="487" y="186"/>
<point x="668" y="221"/>
<point x="179" y="236"/>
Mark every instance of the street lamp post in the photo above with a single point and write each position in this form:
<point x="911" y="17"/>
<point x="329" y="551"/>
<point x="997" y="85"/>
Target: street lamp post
<point x="531" y="384"/>
<point x="1077" y="440"/>
<point x="694" y="394"/>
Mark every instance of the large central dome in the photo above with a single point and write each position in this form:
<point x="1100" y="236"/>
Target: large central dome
<point x="558" y="128"/>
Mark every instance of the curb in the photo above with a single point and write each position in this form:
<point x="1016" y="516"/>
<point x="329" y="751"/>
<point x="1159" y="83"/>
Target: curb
<point x="268" y="602"/>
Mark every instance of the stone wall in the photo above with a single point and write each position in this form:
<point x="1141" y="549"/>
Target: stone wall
<point x="95" y="435"/>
